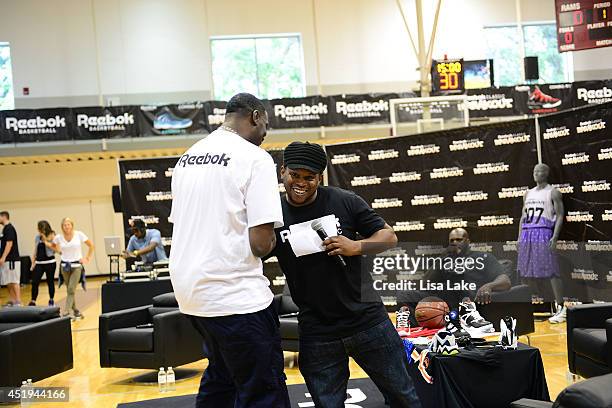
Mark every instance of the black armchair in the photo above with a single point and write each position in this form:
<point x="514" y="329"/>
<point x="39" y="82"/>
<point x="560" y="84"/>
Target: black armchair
<point x="171" y="341"/>
<point x="589" y="339"/>
<point x="287" y="311"/>
<point x="592" y="393"/>
<point x="22" y="353"/>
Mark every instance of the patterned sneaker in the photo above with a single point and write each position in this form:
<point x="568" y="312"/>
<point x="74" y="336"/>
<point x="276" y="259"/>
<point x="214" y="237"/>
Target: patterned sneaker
<point x="453" y="326"/>
<point x="538" y="99"/>
<point x="402" y="321"/>
<point x="507" y="336"/>
<point x="560" y="316"/>
<point x="445" y="343"/>
<point x="471" y="320"/>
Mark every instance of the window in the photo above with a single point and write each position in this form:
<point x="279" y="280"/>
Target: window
<point x="7" y="99"/>
<point x="266" y="66"/>
<point x="503" y="45"/>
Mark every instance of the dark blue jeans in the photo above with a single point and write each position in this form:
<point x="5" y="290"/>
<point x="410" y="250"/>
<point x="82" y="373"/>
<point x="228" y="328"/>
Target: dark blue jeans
<point x="245" y="361"/>
<point x="378" y="350"/>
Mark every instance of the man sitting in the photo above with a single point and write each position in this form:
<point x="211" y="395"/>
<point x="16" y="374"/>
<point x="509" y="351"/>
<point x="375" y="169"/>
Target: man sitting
<point x="145" y="243"/>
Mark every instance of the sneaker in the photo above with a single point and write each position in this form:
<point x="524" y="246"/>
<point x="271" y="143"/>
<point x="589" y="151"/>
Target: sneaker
<point x="167" y="120"/>
<point x="507" y="337"/>
<point x="445" y="343"/>
<point x="51" y="302"/>
<point x="402" y="321"/>
<point x="471" y="320"/>
<point x="453" y="326"/>
<point x="9" y="304"/>
<point x="539" y="100"/>
<point x="32" y="303"/>
<point x="78" y="315"/>
<point x="560" y="316"/>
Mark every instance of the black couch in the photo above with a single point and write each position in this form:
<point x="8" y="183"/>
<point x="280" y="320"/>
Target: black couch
<point x="287" y="312"/>
<point x="35" y="342"/>
<point x="595" y="392"/>
<point x="589" y="339"/>
<point x="171" y="341"/>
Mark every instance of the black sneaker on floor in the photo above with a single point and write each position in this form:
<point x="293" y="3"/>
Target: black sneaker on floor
<point x="32" y="303"/>
<point x="51" y="302"/>
<point x="78" y="315"/>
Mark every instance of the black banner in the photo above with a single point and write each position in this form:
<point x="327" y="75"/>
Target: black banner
<point x="361" y="108"/>
<point x="172" y="119"/>
<point x="488" y="102"/>
<point x="214" y="112"/>
<point x="591" y="92"/>
<point x="542" y="99"/>
<point x="307" y="112"/>
<point x="35" y="125"/>
<point x="106" y="123"/>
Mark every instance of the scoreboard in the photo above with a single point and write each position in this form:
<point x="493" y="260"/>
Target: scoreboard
<point x="447" y="77"/>
<point x="583" y="24"/>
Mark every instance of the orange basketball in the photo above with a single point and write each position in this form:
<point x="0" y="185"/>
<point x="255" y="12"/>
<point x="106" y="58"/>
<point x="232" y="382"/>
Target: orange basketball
<point x="430" y="312"/>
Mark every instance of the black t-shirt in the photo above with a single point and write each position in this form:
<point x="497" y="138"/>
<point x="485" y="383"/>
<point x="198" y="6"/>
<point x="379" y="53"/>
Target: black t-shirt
<point x="9" y="234"/>
<point x="328" y="295"/>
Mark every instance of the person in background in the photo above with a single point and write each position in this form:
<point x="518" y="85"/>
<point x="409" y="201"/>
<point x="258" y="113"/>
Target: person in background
<point x="10" y="267"/>
<point x="145" y="242"/>
<point x="43" y="261"/>
<point x="69" y="243"/>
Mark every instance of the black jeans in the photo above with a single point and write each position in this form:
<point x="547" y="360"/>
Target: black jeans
<point x="378" y="350"/>
<point x="245" y="361"/>
<point x="49" y="271"/>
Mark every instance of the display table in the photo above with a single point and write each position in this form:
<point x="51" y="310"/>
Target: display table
<point x="484" y="378"/>
<point x="125" y="295"/>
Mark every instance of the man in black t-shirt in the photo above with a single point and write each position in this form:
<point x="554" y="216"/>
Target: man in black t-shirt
<point x="334" y="324"/>
<point x="10" y="268"/>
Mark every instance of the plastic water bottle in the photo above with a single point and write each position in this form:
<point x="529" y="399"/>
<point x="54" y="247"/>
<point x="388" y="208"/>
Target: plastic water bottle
<point x="23" y="389"/>
<point x="161" y="379"/>
<point x="170" y="380"/>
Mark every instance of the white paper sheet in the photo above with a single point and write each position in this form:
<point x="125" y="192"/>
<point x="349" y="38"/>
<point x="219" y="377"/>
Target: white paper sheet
<point x="305" y="241"/>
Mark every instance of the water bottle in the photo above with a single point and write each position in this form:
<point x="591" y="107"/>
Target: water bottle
<point x="161" y="379"/>
<point x="170" y="380"/>
<point x="22" y="390"/>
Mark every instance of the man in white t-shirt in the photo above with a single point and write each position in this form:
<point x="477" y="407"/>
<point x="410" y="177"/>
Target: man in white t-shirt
<point x="225" y="208"/>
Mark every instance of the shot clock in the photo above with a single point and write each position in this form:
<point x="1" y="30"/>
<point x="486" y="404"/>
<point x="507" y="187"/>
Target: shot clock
<point x="447" y="77"/>
<point x="583" y="24"/>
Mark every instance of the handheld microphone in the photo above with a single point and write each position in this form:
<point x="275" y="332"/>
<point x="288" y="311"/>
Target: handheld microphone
<point x="318" y="228"/>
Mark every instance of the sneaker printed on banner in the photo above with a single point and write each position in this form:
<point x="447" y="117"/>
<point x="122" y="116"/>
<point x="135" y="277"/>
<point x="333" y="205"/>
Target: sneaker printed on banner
<point x="540" y="100"/>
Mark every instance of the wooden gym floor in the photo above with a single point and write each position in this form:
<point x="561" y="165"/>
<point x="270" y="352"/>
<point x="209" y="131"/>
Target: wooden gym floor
<point x="92" y="386"/>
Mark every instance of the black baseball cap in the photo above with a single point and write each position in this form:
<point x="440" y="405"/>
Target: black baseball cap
<point x="305" y="155"/>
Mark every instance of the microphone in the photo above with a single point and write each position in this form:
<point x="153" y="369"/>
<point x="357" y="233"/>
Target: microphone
<point x="318" y="228"/>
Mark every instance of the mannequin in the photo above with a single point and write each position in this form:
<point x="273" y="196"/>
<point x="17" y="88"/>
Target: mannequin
<point x="539" y="228"/>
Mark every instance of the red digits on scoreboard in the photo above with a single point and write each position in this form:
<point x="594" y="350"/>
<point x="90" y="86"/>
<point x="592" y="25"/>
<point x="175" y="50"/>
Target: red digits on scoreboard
<point x="578" y="17"/>
<point x="568" y="37"/>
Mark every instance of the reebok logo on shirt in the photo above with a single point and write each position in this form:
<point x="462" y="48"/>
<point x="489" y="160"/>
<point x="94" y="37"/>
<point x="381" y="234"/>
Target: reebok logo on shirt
<point x="206" y="159"/>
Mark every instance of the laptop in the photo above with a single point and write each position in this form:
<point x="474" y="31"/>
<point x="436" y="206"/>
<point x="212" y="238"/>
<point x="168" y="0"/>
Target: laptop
<point x="113" y="246"/>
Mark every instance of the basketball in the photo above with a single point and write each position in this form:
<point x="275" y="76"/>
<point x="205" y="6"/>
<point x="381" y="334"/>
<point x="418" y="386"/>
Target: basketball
<point x="430" y="312"/>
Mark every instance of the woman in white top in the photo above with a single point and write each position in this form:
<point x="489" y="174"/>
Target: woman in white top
<point x="69" y="244"/>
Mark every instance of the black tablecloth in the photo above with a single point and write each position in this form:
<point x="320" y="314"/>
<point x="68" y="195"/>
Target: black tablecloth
<point x="125" y="295"/>
<point x="487" y="378"/>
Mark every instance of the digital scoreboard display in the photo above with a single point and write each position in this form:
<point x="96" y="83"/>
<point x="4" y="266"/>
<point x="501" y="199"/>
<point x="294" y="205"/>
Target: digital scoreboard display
<point x="583" y="24"/>
<point x="447" y="77"/>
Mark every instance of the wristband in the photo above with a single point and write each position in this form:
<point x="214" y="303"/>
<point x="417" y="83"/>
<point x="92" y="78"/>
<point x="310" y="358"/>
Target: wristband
<point x="136" y="252"/>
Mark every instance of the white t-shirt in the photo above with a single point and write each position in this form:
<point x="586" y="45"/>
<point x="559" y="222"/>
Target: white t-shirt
<point x="71" y="250"/>
<point x="221" y="186"/>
